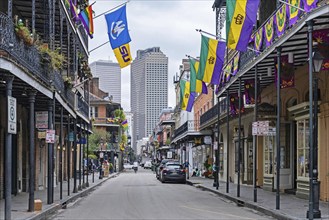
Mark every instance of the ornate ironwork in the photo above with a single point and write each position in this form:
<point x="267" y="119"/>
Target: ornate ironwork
<point x="212" y="113"/>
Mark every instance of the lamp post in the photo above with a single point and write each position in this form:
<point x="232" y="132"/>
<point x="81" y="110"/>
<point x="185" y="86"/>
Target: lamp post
<point x="314" y="212"/>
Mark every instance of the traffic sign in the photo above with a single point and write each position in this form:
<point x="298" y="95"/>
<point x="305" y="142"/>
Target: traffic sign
<point x="12" y="128"/>
<point x="50" y="136"/>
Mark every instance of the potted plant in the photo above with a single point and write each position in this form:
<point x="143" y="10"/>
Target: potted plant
<point x="54" y="57"/>
<point x="68" y="82"/>
<point x="23" y="32"/>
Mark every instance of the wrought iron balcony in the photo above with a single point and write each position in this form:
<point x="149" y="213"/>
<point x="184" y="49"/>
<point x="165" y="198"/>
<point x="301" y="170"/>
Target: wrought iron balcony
<point x="212" y="113"/>
<point x="188" y="126"/>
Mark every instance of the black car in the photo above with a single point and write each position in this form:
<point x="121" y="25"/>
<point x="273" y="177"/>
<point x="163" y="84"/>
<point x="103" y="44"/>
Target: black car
<point x="173" y="172"/>
<point x="159" y="167"/>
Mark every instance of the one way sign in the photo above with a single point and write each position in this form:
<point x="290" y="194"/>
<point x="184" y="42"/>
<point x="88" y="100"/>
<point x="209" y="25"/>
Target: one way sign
<point x="12" y="115"/>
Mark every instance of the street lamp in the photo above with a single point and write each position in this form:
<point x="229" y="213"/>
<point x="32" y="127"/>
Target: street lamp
<point x="317" y="60"/>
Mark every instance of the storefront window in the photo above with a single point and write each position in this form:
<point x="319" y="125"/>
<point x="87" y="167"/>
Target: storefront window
<point x="269" y="143"/>
<point x="303" y="148"/>
<point x="221" y="157"/>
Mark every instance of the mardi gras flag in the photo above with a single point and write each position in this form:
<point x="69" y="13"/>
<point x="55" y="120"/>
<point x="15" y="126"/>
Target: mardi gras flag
<point x="234" y="104"/>
<point x="119" y="36"/>
<point x="249" y="92"/>
<point x="125" y="124"/>
<point x="228" y="70"/>
<point x="322" y="38"/>
<point x="280" y="20"/>
<point x="309" y="5"/>
<point x="240" y="20"/>
<point x="74" y="11"/>
<point x="293" y="12"/>
<point x="86" y="17"/>
<point x="287" y="73"/>
<point x="186" y="98"/>
<point x="211" y="60"/>
<point x="258" y="40"/>
<point x="236" y="64"/>
<point x="269" y="31"/>
<point x="196" y="85"/>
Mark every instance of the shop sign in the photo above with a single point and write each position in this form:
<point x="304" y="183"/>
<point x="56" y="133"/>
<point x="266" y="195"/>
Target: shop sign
<point x="41" y="119"/>
<point x="207" y="140"/>
<point x="12" y="127"/>
<point x="50" y="136"/>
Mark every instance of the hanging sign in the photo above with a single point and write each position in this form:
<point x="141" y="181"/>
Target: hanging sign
<point x="41" y="119"/>
<point x="50" y="136"/>
<point x="12" y="128"/>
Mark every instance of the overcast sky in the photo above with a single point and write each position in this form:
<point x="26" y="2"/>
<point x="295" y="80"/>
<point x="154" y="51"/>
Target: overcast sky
<point x="168" y="24"/>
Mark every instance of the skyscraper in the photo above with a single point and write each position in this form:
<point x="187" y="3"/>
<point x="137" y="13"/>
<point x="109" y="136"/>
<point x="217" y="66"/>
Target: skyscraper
<point x="109" y="75"/>
<point x="149" y="90"/>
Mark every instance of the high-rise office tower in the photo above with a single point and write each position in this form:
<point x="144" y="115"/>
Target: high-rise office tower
<point x="149" y="90"/>
<point x="109" y="75"/>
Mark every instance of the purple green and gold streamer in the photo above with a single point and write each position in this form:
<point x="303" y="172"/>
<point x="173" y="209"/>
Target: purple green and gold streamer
<point x="293" y="12"/>
<point x="236" y="60"/>
<point x="234" y="104"/>
<point x="309" y="5"/>
<point x="280" y="20"/>
<point x="322" y="38"/>
<point x="249" y="92"/>
<point x="258" y="39"/>
<point x="269" y="31"/>
<point x="287" y="73"/>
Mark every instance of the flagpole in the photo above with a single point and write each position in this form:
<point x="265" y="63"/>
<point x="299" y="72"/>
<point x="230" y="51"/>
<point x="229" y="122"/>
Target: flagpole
<point x="111" y="9"/>
<point x="98" y="46"/>
<point x="188" y="56"/>
<point x="291" y="5"/>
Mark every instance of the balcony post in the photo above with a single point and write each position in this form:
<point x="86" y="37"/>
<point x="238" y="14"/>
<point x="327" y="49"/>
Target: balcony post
<point x="227" y="141"/>
<point x="239" y="145"/>
<point x="68" y="153"/>
<point x="254" y="138"/>
<point x="278" y="115"/>
<point x="61" y="156"/>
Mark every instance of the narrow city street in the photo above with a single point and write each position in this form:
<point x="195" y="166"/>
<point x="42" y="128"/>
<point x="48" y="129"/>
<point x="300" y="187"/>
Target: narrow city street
<point x="142" y="196"/>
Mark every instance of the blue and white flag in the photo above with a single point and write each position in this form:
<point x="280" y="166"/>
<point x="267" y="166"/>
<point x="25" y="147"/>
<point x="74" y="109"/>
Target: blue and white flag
<point x="117" y="27"/>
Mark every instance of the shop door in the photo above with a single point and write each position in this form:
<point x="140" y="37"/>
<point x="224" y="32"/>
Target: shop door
<point x="241" y="152"/>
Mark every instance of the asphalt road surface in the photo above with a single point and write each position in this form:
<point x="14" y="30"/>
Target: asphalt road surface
<point x="141" y="196"/>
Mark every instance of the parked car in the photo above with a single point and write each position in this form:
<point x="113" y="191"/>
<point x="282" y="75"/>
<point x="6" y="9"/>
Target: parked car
<point x="148" y="164"/>
<point x="127" y="166"/>
<point x="173" y="172"/>
<point x="159" y="167"/>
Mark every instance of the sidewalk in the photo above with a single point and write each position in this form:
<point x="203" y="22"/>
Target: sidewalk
<point x="291" y="207"/>
<point x="19" y="204"/>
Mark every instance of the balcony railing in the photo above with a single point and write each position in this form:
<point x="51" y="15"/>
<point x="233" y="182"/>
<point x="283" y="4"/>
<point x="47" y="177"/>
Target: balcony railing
<point x="212" y="113"/>
<point x="29" y="59"/>
<point x="188" y="126"/>
<point x="248" y="56"/>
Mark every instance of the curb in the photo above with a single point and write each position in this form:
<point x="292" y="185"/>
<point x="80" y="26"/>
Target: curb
<point x="63" y="203"/>
<point x="244" y="203"/>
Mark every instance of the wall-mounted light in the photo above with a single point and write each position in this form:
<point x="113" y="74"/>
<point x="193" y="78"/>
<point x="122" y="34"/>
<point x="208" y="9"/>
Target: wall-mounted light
<point x="317" y="61"/>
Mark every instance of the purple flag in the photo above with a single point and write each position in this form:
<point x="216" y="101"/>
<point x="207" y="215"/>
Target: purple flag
<point x="322" y="38"/>
<point x="204" y="88"/>
<point x="280" y="20"/>
<point x="249" y="92"/>
<point x="309" y="5"/>
<point x="234" y="104"/>
<point x="236" y="64"/>
<point x="287" y="73"/>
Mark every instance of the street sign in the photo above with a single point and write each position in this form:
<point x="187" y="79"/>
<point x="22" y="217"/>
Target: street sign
<point x="215" y="145"/>
<point x="207" y="140"/>
<point x="71" y="136"/>
<point x="12" y="128"/>
<point x="50" y="136"/>
<point x="41" y="119"/>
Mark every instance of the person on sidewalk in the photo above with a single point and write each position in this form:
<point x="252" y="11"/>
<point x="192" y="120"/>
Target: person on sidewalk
<point x="187" y="165"/>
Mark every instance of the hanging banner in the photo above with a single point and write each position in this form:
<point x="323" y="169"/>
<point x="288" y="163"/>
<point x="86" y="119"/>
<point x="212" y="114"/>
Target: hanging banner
<point x="258" y="40"/>
<point x="309" y="5"/>
<point x="293" y="12"/>
<point x="280" y="20"/>
<point x="287" y="73"/>
<point x="236" y="60"/>
<point x="322" y="38"/>
<point x="249" y="92"/>
<point x="234" y="104"/>
<point x="228" y="70"/>
<point x="269" y="31"/>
